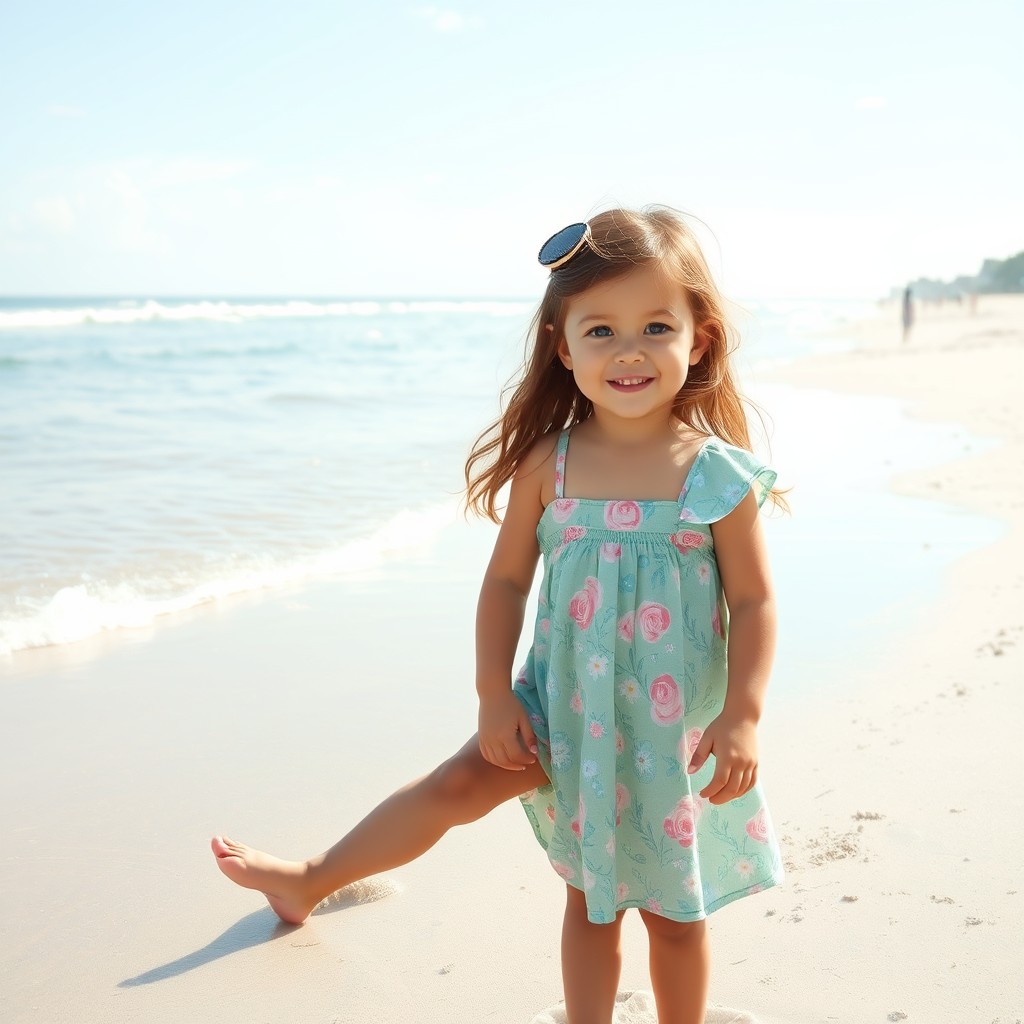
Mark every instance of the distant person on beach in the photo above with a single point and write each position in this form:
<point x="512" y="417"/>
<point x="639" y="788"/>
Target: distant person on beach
<point x="908" y="313"/>
<point x="630" y="734"/>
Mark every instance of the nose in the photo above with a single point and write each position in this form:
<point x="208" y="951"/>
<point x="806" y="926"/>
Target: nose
<point x="629" y="350"/>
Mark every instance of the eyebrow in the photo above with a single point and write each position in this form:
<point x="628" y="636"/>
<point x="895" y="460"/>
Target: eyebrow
<point x="605" y="317"/>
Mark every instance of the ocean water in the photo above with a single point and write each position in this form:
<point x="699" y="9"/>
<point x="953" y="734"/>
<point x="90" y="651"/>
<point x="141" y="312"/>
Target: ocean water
<point x="156" y="455"/>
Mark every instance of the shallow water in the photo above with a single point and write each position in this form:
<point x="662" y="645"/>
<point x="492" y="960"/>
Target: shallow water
<point x="157" y="455"/>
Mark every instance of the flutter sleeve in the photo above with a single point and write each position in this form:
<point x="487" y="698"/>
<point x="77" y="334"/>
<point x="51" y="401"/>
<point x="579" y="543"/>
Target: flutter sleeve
<point x="720" y="479"/>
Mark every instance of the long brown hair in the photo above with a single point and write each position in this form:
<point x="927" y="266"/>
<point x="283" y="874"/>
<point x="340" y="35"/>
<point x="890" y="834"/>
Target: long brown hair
<point x="543" y="396"/>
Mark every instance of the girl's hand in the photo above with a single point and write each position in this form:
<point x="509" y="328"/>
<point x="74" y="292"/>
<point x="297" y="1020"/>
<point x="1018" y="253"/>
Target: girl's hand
<point x="505" y="735"/>
<point x="734" y="744"/>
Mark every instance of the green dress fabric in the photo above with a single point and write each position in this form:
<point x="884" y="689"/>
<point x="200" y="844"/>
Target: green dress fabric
<point x="627" y="668"/>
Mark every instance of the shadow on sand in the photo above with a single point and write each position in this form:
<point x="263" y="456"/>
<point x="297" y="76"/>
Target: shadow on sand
<point x="259" y="927"/>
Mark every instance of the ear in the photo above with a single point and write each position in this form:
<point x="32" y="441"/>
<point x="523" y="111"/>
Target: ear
<point x="562" y="350"/>
<point x="701" y="343"/>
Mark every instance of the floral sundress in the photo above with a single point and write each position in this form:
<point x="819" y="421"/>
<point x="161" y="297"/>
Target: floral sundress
<point x="627" y="667"/>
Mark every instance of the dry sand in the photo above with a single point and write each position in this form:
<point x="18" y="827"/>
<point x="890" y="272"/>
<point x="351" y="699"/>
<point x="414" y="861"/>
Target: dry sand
<point x="903" y="899"/>
<point x="896" y="788"/>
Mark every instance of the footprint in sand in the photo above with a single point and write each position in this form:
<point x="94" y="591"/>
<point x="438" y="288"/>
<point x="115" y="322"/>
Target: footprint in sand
<point x="638" y="1008"/>
<point x="1004" y="639"/>
<point x="369" y="890"/>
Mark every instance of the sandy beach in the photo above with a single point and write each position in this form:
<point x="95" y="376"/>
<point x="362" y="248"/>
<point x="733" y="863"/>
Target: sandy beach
<point x="893" y="784"/>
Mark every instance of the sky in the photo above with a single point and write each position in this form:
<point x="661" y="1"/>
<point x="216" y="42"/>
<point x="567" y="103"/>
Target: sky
<point x="314" y="148"/>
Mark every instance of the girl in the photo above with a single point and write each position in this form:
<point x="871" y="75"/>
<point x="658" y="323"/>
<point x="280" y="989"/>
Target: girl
<point x="626" y="446"/>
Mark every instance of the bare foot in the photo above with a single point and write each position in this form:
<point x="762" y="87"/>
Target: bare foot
<point x="283" y="882"/>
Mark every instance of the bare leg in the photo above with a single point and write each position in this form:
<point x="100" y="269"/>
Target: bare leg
<point x="404" y="826"/>
<point x="680" y="968"/>
<point x="591" y="963"/>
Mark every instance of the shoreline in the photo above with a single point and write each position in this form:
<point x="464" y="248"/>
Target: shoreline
<point x="121" y="763"/>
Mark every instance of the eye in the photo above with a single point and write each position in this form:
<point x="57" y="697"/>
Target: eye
<point x="658" y="328"/>
<point x="601" y="331"/>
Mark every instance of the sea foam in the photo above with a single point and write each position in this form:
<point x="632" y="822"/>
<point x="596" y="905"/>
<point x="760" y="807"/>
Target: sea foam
<point x="238" y="312"/>
<point x="86" y="609"/>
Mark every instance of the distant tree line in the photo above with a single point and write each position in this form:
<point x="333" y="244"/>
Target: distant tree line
<point x="995" y="276"/>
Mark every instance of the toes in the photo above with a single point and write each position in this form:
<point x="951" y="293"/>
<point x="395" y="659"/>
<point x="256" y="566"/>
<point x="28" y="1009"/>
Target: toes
<point x="224" y="847"/>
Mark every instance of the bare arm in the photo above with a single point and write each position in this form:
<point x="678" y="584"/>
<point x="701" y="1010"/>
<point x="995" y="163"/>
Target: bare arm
<point x="506" y="737"/>
<point x="746" y="580"/>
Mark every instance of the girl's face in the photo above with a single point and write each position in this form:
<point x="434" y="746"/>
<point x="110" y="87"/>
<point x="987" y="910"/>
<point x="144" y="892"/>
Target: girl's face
<point x="630" y="343"/>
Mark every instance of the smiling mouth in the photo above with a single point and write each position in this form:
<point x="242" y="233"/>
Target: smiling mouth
<point x="630" y="383"/>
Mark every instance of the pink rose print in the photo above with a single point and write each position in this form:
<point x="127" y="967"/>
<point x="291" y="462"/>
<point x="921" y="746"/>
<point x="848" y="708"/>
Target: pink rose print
<point x="550" y="812"/>
<point x="666" y="702"/>
<point x="716" y="622"/>
<point x="625" y="627"/>
<point x="757" y="827"/>
<point x="559" y="479"/>
<point x="577" y="823"/>
<point x="622" y="515"/>
<point x="584" y="603"/>
<point x="545" y="626"/>
<point x="653" y="906"/>
<point x="688" y="744"/>
<point x="593" y="587"/>
<point x="564" y="870"/>
<point x="652" y="619"/>
<point x="621" y="891"/>
<point x="563" y="508"/>
<point x="622" y="799"/>
<point x="596" y="730"/>
<point x="576" y="703"/>
<point x="620" y="743"/>
<point x="680" y="825"/>
<point x="571" y="533"/>
<point x="611" y="552"/>
<point x="688" y="540"/>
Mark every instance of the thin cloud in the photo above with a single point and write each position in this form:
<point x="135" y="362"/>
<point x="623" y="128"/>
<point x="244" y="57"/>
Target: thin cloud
<point x="54" y="214"/>
<point x="187" y="171"/>
<point x="64" y="110"/>
<point x="128" y="204"/>
<point x="444" y="20"/>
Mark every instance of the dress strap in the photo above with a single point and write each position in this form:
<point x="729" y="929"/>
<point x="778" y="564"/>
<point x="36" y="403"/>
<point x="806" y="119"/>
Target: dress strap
<point x="693" y="472"/>
<point x="563" y="447"/>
